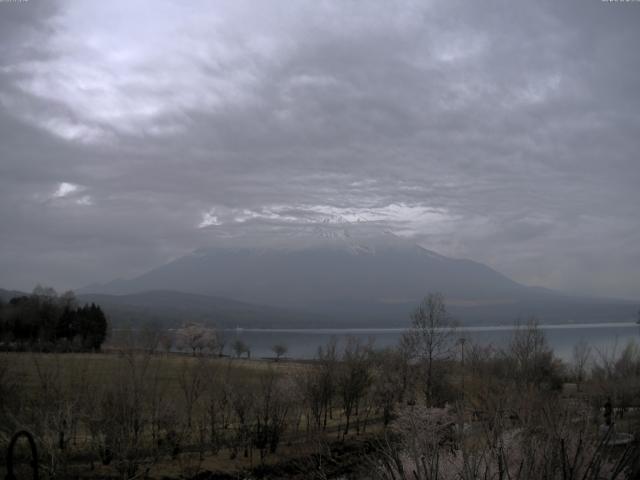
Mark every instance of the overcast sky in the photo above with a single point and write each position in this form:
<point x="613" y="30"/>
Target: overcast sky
<point x="505" y="132"/>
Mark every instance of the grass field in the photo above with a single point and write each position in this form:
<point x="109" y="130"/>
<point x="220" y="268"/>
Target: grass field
<point x="128" y="414"/>
<point x="28" y="367"/>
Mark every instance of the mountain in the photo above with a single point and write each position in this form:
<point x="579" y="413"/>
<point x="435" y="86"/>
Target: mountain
<point x="324" y="266"/>
<point x="171" y="308"/>
<point x="6" y="295"/>
<point x="356" y="277"/>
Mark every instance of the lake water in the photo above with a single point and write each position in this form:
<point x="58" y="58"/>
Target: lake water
<point x="304" y="343"/>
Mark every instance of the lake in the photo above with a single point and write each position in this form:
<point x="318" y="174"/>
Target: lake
<point x="304" y="343"/>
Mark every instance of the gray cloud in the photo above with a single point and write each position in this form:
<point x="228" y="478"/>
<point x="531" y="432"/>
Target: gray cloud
<point x="500" y="132"/>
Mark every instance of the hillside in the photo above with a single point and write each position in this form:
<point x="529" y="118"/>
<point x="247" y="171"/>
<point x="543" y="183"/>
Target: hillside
<point x="171" y="308"/>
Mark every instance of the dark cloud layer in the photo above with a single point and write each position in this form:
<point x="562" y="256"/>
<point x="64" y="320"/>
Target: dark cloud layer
<point x="134" y="132"/>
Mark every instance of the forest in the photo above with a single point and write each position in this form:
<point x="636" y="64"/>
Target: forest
<point x="45" y="321"/>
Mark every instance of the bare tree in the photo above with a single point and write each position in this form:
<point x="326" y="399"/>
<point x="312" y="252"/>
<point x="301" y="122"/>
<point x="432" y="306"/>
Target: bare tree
<point x="554" y="440"/>
<point x="389" y="382"/>
<point x="403" y="355"/>
<point x="606" y="377"/>
<point x="191" y="378"/>
<point x="354" y="378"/>
<point x="271" y="409"/>
<point x="280" y="349"/>
<point x="149" y="337"/>
<point x="167" y="341"/>
<point x="309" y="385"/>
<point x="242" y="399"/>
<point x="68" y="300"/>
<point x="317" y="386"/>
<point x="432" y="335"/>
<point x="217" y="406"/>
<point x="119" y="417"/>
<point x="221" y="342"/>
<point x="531" y="356"/>
<point x="418" y="446"/>
<point x="581" y="358"/>
<point x="54" y="411"/>
<point x="239" y="347"/>
<point x="328" y="360"/>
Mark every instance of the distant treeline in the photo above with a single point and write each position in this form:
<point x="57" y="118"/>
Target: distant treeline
<point x="46" y="321"/>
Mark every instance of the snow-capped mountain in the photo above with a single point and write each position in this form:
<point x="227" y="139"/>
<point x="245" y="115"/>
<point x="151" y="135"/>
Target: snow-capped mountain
<point x="355" y="275"/>
<point x="321" y="265"/>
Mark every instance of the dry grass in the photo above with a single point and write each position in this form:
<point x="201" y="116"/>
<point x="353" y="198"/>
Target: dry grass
<point x="26" y="368"/>
<point x="70" y="373"/>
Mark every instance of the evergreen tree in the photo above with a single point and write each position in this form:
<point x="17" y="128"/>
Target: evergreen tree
<point x="45" y="320"/>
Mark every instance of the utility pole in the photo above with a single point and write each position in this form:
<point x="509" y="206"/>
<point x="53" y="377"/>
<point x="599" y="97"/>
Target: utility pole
<point x="462" y="341"/>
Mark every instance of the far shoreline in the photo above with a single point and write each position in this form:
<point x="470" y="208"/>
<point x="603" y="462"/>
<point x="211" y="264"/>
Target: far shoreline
<point x="470" y="328"/>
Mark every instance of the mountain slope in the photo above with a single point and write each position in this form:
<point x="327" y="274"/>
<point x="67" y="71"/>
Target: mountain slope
<point x="332" y="270"/>
<point x="171" y="308"/>
<point x="353" y="279"/>
<point x="330" y="277"/>
<point x="6" y="295"/>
